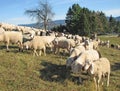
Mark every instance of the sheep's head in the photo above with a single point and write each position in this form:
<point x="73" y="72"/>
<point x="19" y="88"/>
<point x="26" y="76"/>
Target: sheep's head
<point x="26" y="45"/>
<point x="87" y="64"/>
<point x="91" y="68"/>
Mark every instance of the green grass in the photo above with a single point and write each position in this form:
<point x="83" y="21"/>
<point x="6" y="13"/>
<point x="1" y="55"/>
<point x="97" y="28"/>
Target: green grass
<point x="24" y="72"/>
<point x="113" y="40"/>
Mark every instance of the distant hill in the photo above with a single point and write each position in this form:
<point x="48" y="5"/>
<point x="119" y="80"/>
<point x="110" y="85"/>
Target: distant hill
<point x="117" y="18"/>
<point x="51" y="24"/>
<point x="54" y="23"/>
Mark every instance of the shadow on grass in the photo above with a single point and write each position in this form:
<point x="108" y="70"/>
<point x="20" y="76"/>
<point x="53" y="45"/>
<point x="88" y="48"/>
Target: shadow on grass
<point x="58" y="73"/>
<point x="53" y="72"/>
<point x="116" y="66"/>
<point x="12" y="48"/>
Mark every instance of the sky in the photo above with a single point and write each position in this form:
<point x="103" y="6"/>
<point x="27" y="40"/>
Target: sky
<point x="12" y="11"/>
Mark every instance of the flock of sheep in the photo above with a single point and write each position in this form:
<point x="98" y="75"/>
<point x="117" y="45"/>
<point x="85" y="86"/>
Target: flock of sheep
<point x="82" y="50"/>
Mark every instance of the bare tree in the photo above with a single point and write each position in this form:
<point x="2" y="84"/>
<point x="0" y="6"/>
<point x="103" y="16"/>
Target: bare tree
<point x="43" y="13"/>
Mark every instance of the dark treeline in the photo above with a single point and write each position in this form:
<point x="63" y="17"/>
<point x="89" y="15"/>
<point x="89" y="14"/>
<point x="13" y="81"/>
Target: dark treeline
<point x="83" y="21"/>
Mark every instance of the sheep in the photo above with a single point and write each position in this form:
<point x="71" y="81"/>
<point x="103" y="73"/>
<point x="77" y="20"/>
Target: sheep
<point x="12" y="37"/>
<point x="8" y="27"/>
<point x="48" y="41"/>
<point x="37" y="43"/>
<point x="88" y="44"/>
<point x="99" y="68"/>
<point x="95" y="44"/>
<point x="74" y="54"/>
<point x="79" y="63"/>
<point x="78" y="39"/>
<point x="63" y="43"/>
<point x="108" y="43"/>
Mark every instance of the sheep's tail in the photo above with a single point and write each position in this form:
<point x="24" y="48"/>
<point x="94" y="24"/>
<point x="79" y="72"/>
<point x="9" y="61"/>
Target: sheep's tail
<point x="99" y="53"/>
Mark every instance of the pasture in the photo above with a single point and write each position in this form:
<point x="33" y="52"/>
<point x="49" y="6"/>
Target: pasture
<point x="21" y="71"/>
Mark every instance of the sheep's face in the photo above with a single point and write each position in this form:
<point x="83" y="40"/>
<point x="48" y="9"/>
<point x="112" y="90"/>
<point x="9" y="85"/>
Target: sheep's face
<point x="87" y="65"/>
<point x="55" y="41"/>
<point x="25" y="46"/>
<point x="92" y="68"/>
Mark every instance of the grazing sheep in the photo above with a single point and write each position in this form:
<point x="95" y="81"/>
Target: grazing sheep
<point x="79" y="63"/>
<point x="99" y="68"/>
<point x="95" y="44"/>
<point x="63" y="43"/>
<point x="48" y="41"/>
<point x="37" y="43"/>
<point x="12" y="37"/>
<point x="75" y="52"/>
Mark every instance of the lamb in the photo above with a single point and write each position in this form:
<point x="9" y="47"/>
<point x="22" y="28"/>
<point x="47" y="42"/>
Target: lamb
<point x="99" y="68"/>
<point x="12" y="37"/>
<point x="79" y="63"/>
<point x="37" y="43"/>
<point x="75" y="52"/>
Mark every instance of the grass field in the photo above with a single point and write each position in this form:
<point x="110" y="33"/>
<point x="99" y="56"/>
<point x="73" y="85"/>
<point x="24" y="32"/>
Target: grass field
<point x="24" y="72"/>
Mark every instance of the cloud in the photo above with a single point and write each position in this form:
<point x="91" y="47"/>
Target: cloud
<point x="113" y="12"/>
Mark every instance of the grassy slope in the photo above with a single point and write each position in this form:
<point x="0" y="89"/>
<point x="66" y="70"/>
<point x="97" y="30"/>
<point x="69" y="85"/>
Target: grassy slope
<point x="24" y="72"/>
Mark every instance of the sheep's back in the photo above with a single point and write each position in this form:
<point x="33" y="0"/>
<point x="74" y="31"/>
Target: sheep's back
<point x="103" y="64"/>
<point x="13" y="36"/>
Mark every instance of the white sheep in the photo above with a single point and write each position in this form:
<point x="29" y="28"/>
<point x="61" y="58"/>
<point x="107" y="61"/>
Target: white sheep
<point x="79" y="63"/>
<point x="12" y="37"/>
<point x="37" y="43"/>
<point x="63" y="43"/>
<point x="99" y="68"/>
<point x="75" y="52"/>
<point x="88" y="44"/>
<point x="48" y="40"/>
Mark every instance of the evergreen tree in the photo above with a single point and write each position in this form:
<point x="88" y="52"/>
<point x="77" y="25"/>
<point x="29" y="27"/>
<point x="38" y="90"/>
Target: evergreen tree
<point x="72" y="18"/>
<point x="112" y="23"/>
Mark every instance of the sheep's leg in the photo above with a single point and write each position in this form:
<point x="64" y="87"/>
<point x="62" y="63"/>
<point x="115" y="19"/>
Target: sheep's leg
<point x="40" y="52"/>
<point x="80" y="80"/>
<point x="98" y="82"/>
<point x="55" y="50"/>
<point x="44" y="51"/>
<point x="58" y="51"/>
<point x="20" y="46"/>
<point x="35" y="52"/>
<point x="95" y="83"/>
<point x="108" y="77"/>
<point x="7" y="46"/>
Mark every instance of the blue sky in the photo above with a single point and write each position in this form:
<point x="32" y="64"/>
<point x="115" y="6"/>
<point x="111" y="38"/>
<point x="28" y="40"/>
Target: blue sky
<point x="12" y="11"/>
